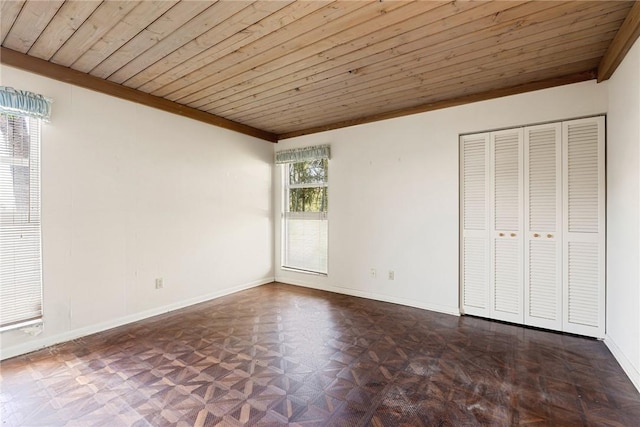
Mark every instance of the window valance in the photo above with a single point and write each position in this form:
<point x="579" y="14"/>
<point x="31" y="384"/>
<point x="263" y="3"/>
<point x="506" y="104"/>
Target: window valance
<point x="302" y="154"/>
<point x="24" y="103"/>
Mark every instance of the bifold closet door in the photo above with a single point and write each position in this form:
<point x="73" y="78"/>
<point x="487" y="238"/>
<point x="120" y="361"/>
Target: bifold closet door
<point x="584" y="227"/>
<point x="505" y="230"/>
<point x="474" y="240"/>
<point x="543" y="219"/>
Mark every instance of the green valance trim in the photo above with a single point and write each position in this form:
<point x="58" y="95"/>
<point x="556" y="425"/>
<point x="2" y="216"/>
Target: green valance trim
<point x="303" y="154"/>
<point x="24" y="103"/>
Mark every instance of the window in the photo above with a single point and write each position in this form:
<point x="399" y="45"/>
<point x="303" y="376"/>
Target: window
<point x="20" y="241"/>
<point x="305" y="221"/>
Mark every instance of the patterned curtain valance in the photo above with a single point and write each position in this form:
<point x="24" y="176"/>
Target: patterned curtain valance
<point x="24" y="103"/>
<point x="302" y="154"/>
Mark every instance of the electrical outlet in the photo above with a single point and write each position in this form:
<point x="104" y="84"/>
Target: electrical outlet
<point x="372" y="273"/>
<point x="392" y="275"/>
<point x="159" y="283"/>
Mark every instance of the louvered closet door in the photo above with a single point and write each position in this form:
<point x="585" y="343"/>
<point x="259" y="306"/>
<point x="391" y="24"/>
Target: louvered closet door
<point x="506" y="279"/>
<point x="543" y="219"/>
<point x="474" y="242"/>
<point x="584" y="227"/>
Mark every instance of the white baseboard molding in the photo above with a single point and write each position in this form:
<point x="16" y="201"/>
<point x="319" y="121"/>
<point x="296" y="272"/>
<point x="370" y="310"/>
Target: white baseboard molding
<point x="631" y="371"/>
<point x="455" y="311"/>
<point x="38" y="344"/>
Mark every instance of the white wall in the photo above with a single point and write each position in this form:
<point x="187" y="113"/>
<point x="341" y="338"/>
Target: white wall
<point x="623" y="215"/>
<point x="393" y="194"/>
<point x="131" y="193"/>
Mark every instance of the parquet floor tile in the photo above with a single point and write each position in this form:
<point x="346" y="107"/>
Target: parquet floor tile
<point x="281" y="355"/>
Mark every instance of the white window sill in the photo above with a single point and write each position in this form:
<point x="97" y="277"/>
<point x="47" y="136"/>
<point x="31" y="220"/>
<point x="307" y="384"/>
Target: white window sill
<point x="296" y="270"/>
<point x="27" y="324"/>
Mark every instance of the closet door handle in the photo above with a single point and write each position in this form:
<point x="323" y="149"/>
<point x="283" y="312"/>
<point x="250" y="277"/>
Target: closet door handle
<point x="549" y="235"/>
<point x="536" y="235"/>
<point x="501" y="234"/>
<point x="513" y="234"/>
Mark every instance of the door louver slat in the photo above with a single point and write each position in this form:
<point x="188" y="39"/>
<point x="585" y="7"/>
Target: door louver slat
<point x="506" y="182"/>
<point x="474" y="184"/>
<point x="543" y="280"/>
<point x="475" y="265"/>
<point x="507" y="282"/>
<point x="583" y="283"/>
<point x="582" y="166"/>
<point x="542" y="180"/>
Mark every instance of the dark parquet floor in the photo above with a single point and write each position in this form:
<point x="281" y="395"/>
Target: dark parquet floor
<point x="281" y="355"/>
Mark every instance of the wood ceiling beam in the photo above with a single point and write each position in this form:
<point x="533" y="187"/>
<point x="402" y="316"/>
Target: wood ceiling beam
<point x="496" y="93"/>
<point x="627" y="35"/>
<point x="77" y="78"/>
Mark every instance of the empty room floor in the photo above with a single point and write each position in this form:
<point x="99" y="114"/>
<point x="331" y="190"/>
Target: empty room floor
<point x="284" y="355"/>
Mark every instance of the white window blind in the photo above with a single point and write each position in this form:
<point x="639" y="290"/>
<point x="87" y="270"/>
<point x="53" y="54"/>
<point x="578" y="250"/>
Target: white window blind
<point x="20" y="245"/>
<point x="305" y="220"/>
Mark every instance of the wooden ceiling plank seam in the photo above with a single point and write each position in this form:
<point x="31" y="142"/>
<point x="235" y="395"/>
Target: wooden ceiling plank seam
<point x="455" y="90"/>
<point x="350" y="91"/>
<point x="428" y="99"/>
<point x="456" y="94"/>
<point x="294" y="11"/>
<point x="160" y="28"/>
<point x="376" y="27"/>
<point x="339" y="56"/>
<point x="9" y="11"/>
<point x="308" y="78"/>
<point x="479" y="48"/>
<point x="105" y="17"/>
<point x="359" y="46"/>
<point x="408" y="76"/>
<point x="273" y="47"/>
<point x="31" y="21"/>
<point x="207" y="19"/>
<point x="344" y="114"/>
<point x="555" y="69"/>
<point x="66" y="21"/>
<point x="328" y="113"/>
<point x="143" y="15"/>
<point x="469" y="99"/>
<point x="319" y="45"/>
<point x="211" y="39"/>
<point x="622" y="42"/>
<point x="436" y="47"/>
<point x="444" y="41"/>
<point x="67" y="75"/>
<point x="412" y="89"/>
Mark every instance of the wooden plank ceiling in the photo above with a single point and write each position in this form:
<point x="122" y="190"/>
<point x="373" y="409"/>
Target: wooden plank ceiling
<point x="286" y="68"/>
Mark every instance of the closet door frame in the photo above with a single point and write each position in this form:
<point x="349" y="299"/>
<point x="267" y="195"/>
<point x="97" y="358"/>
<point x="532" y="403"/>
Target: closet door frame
<point x="588" y="261"/>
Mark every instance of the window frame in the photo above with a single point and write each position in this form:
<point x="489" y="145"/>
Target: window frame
<point x="32" y="225"/>
<point x="309" y="215"/>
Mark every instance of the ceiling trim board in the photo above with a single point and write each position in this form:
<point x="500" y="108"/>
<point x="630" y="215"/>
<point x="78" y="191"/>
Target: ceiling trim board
<point x="623" y="41"/>
<point x="484" y="96"/>
<point x="67" y="75"/>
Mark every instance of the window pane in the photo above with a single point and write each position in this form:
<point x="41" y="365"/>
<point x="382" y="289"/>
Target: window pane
<point x="310" y="199"/>
<point x="306" y="244"/>
<point x="20" y="260"/>
<point x="308" y="172"/>
<point x="305" y="223"/>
